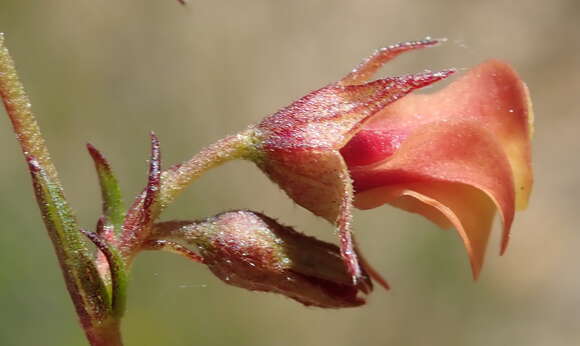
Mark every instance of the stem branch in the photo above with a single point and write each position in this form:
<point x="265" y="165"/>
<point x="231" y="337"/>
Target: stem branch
<point x="177" y="178"/>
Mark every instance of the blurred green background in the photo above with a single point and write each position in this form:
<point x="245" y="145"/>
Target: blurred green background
<point x="108" y="72"/>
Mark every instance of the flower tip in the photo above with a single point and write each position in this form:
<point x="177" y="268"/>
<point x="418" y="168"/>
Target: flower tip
<point x="423" y="79"/>
<point x="476" y="263"/>
<point x="98" y="157"/>
<point x="504" y="243"/>
<point x="476" y="272"/>
<point x="94" y="152"/>
<point x="427" y="42"/>
<point x="363" y="72"/>
<point x="446" y="72"/>
<point x="155" y="151"/>
<point x="363" y="283"/>
<point x="439" y="75"/>
<point x="373" y="273"/>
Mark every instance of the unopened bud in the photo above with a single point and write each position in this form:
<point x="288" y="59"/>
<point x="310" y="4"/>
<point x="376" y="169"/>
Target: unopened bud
<point x="252" y="251"/>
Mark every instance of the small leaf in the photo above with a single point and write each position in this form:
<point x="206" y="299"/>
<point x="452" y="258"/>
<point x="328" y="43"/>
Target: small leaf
<point x="117" y="270"/>
<point x="55" y="211"/>
<point x="111" y="193"/>
<point x="62" y="227"/>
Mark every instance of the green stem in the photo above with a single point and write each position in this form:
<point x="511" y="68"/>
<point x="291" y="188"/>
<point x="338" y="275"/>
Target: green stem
<point x="83" y="282"/>
<point x="175" y="180"/>
<point x="19" y="110"/>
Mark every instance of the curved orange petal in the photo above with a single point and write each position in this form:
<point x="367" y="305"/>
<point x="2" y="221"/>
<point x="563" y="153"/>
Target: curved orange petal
<point x="490" y="94"/>
<point x="457" y="152"/>
<point x="466" y="208"/>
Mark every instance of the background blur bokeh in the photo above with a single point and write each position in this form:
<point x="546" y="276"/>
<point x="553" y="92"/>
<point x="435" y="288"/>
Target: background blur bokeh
<point x="108" y="72"/>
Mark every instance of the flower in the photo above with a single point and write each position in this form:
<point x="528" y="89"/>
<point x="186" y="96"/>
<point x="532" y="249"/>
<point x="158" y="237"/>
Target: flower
<point x="252" y="251"/>
<point x="453" y="156"/>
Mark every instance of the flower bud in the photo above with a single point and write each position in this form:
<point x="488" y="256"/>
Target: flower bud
<point x="252" y="251"/>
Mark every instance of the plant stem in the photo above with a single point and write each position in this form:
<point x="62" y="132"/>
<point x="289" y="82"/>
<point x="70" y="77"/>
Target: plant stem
<point x="177" y="178"/>
<point x="19" y="110"/>
<point x="106" y="334"/>
<point x="83" y="282"/>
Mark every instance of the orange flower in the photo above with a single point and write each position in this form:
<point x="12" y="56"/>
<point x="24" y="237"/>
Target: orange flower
<point x="453" y="156"/>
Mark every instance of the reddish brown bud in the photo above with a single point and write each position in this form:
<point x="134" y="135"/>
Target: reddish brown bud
<point x="252" y="251"/>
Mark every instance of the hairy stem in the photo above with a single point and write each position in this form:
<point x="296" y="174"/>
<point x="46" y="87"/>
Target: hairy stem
<point x="177" y="178"/>
<point x="19" y="110"/>
<point x="83" y="282"/>
<point x="106" y="334"/>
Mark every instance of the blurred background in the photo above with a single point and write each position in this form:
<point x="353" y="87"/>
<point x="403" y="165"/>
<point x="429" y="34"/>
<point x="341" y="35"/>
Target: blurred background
<point x="108" y="72"/>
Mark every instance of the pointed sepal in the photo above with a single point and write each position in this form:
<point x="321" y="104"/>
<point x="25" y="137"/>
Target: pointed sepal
<point x="141" y="215"/>
<point x="368" y="68"/>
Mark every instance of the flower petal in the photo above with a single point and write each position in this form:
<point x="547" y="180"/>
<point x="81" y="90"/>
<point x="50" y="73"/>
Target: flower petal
<point x="466" y="208"/>
<point x="458" y="152"/>
<point x="490" y="94"/>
